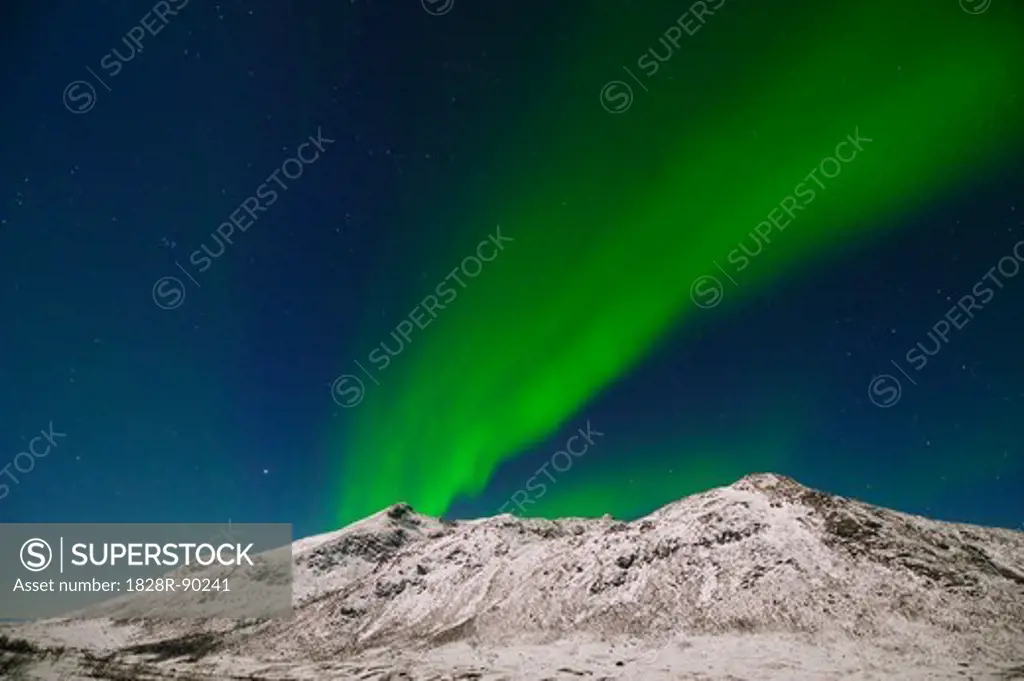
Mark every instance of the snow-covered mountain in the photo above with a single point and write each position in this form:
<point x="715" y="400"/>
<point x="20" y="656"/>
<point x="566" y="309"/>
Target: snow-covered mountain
<point x="763" y="579"/>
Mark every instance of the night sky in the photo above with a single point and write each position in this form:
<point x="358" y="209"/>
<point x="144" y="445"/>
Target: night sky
<point x="453" y="234"/>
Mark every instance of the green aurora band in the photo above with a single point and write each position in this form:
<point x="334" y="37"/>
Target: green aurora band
<point x="630" y="209"/>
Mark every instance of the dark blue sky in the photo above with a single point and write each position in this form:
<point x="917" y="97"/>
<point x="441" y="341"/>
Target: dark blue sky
<point x="221" y="408"/>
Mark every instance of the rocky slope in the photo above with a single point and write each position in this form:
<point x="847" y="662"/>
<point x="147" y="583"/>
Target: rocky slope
<point x="764" y="579"/>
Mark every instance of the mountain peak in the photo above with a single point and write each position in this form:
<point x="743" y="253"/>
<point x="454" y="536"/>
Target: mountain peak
<point x="767" y="481"/>
<point x="400" y="510"/>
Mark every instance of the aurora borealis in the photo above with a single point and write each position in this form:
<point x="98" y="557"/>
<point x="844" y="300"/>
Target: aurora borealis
<point x="708" y="261"/>
<point x="520" y="352"/>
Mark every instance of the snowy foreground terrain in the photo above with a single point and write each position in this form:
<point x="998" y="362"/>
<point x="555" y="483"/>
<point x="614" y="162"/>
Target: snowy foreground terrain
<point x="764" y="579"/>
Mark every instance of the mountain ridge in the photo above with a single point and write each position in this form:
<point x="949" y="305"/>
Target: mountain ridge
<point x="765" y="565"/>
